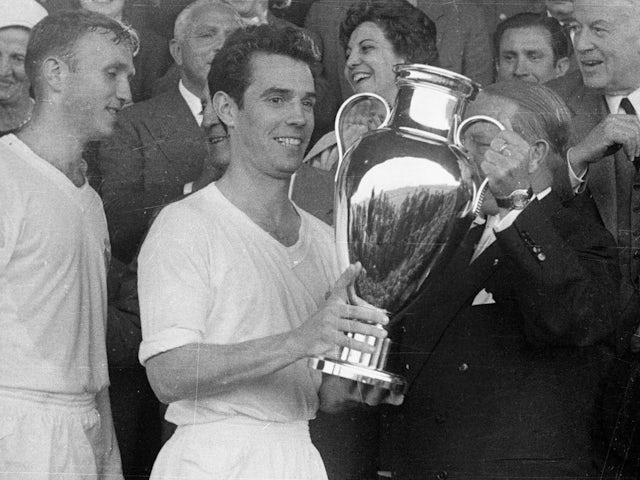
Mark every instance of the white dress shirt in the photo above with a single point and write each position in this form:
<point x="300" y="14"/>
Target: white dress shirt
<point x="193" y="102"/>
<point x="494" y="224"/>
<point x="195" y="106"/>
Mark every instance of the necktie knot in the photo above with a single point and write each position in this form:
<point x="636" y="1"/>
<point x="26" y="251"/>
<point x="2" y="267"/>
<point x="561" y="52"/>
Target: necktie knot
<point x="627" y="107"/>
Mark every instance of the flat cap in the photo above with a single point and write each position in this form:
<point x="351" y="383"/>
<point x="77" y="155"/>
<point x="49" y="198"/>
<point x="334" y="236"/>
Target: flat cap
<point x="21" y="13"/>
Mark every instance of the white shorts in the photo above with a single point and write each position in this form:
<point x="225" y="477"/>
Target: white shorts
<point x="240" y="449"/>
<point x="49" y="436"/>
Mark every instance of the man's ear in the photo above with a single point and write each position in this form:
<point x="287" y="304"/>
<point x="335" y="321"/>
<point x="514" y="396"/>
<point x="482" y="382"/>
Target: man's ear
<point x="562" y="66"/>
<point x="225" y="108"/>
<point x="538" y="154"/>
<point x="176" y="51"/>
<point x="54" y="72"/>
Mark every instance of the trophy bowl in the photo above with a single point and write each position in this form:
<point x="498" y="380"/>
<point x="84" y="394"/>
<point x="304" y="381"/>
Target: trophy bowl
<point x="405" y="196"/>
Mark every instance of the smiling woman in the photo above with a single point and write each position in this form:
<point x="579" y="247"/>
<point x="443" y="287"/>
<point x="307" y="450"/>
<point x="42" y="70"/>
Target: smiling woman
<point x="17" y="17"/>
<point x="376" y="35"/>
<point x="380" y="34"/>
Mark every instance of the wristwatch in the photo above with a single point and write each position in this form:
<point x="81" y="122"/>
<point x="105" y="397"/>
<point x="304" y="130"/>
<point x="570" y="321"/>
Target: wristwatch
<point x="517" y="200"/>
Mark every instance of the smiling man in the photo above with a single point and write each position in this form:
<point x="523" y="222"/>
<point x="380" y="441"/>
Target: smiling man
<point x="603" y="165"/>
<point x="239" y="287"/>
<point x="162" y="149"/>
<point x="54" y="253"/>
<point x="159" y="152"/>
<point x="531" y="47"/>
<point x="605" y="102"/>
<point x="17" y="17"/>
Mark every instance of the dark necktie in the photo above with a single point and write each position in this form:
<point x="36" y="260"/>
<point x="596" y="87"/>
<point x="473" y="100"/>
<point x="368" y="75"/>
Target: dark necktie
<point x="627" y="106"/>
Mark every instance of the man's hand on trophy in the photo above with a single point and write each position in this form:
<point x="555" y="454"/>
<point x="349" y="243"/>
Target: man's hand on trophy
<point x="506" y="164"/>
<point x="338" y="394"/>
<point x="325" y="332"/>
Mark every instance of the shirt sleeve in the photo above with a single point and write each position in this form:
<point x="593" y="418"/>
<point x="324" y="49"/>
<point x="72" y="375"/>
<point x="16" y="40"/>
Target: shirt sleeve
<point x="576" y="180"/>
<point x="175" y="297"/>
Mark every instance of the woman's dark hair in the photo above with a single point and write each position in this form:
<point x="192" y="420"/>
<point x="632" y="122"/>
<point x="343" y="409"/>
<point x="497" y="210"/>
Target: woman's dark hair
<point x="410" y="31"/>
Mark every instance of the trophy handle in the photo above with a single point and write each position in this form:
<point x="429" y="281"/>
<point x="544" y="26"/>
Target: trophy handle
<point x="340" y="141"/>
<point x="457" y="137"/>
<point x="479" y="193"/>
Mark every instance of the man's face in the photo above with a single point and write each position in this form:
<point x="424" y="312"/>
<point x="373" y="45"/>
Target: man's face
<point x="110" y="8"/>
<point x="96" y="86"/>
<point x="607" y="44"/>
<point x="14" y="84"/>
<point x="272" y="129"/>
<point x="562" y="10"/>
<point x="210" y="26"/>
<point x="526" y="54"/>
<point x="477" y="138"/>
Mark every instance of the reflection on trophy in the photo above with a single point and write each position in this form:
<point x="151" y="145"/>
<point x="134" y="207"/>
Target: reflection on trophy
<point x="405" y="194"/>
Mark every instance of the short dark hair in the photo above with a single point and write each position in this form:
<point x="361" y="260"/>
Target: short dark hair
<point x="560" y="41"/>
<point x="411" y="32"/>
<point x="231" y="68"/>
<point x="59" y="33"/>
<point x="542" y="114"/>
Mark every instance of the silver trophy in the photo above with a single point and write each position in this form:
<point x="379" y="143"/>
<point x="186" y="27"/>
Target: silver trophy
<point x="404" y="195"/>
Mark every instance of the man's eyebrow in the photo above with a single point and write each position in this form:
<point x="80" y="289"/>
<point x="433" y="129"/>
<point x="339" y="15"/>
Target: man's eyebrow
<point x="600" y="23"/>
<point x="118" y="66"/>
<point x="276" y="91"/>
<point x="285" y="92"/>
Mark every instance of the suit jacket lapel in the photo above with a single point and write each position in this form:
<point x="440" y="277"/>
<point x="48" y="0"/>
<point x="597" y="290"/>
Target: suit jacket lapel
<point x="602" y="180"/>
<point x="174" y="120"/>
<point x="428" y="318"/>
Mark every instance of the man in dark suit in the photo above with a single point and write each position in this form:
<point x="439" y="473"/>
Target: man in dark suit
<point x="158" y="152"/>
<point x="605" y="101"/>
<point x="505" y="349"/>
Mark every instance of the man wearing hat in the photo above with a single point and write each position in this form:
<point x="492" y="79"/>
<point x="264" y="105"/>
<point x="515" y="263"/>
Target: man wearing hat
<point x="17" y="18"/>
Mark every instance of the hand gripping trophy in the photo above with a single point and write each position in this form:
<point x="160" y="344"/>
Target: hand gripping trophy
<point x="405" y="196"/>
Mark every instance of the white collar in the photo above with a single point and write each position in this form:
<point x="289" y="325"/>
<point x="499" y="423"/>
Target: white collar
<point x="193" y="102"/>
<point x="613" y="101"/>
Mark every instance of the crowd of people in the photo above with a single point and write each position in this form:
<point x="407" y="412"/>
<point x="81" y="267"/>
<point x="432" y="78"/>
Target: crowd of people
<point x="167" y="258"/>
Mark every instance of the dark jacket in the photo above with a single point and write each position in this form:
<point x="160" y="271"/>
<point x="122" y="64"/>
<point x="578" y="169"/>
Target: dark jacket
<point x="505" y="390"/>
<point x="156" y="149"/>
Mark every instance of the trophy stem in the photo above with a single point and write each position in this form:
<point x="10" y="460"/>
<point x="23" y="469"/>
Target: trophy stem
<point x="367" y="368"/>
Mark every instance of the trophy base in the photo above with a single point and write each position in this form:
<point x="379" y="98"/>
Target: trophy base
<point x="351" y="371"/>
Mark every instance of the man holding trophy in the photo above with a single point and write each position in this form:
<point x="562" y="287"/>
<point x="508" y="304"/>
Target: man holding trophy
<point x="238" y="287"/>
<point x="505" y="349"/>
